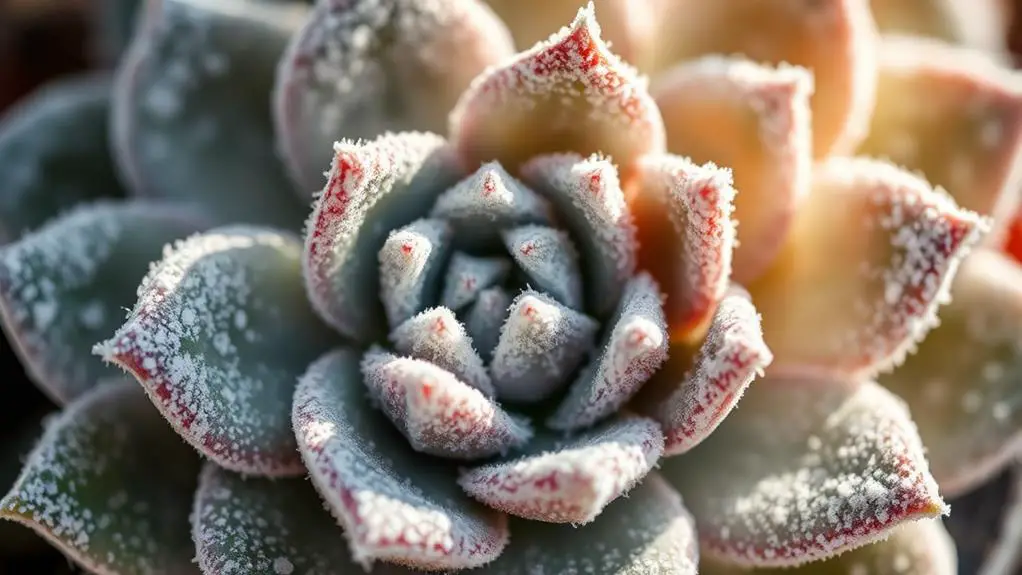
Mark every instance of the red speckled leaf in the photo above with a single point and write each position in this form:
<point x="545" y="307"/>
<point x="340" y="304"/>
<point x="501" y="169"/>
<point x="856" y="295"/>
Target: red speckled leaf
<point x="360" y="68"/>
<point x="569" y="480"/>
<point x="568" y="94"/>
<point x="412" y="261"/>
<point x="437" y="336"/>
<point x="866" y="265"/>
<point x="686" y="237"/>
<point x="549" y="260"/>
<point x="218" y="338"/>
<point x="395" y="505"/>
<point x="824" y="466"/>
<point x="754" y="119"/>
<point x="700" y="384"/>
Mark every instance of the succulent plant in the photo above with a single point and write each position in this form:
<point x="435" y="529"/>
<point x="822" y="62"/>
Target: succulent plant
<point x="647" y="326"/>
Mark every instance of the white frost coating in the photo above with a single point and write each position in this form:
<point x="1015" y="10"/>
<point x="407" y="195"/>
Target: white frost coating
<point x="632" y="351"/>
<point x="586" y="193"/>
<point x="541" y="343"/>
<point x="436" y="336"/>
<point x="393" y="504"/>
<point x="548" y="257"/>
<point x="439" y="414"/>
<point x="485" y="318"/>
<point x="468" y="275"/>
<point x="411" y="262"/>
<point x="570" y="481"/>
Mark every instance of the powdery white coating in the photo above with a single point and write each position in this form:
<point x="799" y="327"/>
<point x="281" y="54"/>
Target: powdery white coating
<point x="730" y="358"/>
<point x="489" y="200"/>
<point x="825" y="466"/>
<point x="411" y="264"/>
<point x="485" y="318"/>
<point x="567" y="93"/>
<point x="570" y="480"/>
<point x="435" y="335"/>
<point x="438" y="413"/>
<point x="632" y="351"/>
<point x="541" y="344"/>
<point x="468" y="275"/>
<point x="62" y="287"/>
<point x="372" y="189"/>
<point x="395" y="505"/>
<point x="586" y="192"/>
<point x="359" y="68"/>
<point x="549" y="259"/>
<point x="218" y="337"/>
<point x="109" y="484"/>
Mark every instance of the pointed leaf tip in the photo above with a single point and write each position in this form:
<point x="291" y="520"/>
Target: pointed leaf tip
<point x="437" y="336"/>
<point x="220" y="334"/>
<point x="412" y="261"/>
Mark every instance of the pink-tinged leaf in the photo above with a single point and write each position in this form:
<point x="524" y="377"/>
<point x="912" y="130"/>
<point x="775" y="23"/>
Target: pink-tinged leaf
<point x="567" y="94"/>
<point x="977" y="23"/>
<point x="962" y="384"/>
<point x="825" y="466"/>
<point x="373" y="188"/>
<point x="628" y="24"/>
<point x="541" y="344"/>
<point x="438" y="413"/>
<point x="569" y="480"/>
<point x="754" y="119"/>
<point x="219" y="335"/>
<point x="686" y="237"/>
<point x="700" y="384"/>
<point x="360" y="68"/>
<point x="868" y="261"/>
<point x="916" y="548"/>
<point x="64" y="286"/>
<point x="110" y="485"/>
<point x="550" y="261"/>
<point x="249" y="525"/>
<point x="412" y="262"/>
<point x="394" y="504"/>
<point x="649" y="532"/>
<point x="955" y="116"/>
<point x="53" y="153"/>
<point x="437" y="336"/>
<point x="485" y="318"/>
<point x="835" y="39"/>
<point x="469" y="275"/>
<point x="587" y="195"/>
<point x="191" y="117"/>
<point x="633" y="349"/>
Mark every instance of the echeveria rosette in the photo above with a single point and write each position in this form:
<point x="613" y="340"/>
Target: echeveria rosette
<point x="546" y="317"/>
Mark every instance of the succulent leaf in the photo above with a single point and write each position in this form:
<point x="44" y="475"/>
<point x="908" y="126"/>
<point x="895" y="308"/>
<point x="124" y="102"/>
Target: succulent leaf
<point x="437" y="336"/>
<point x="468" y="275"/>
<point x="686" y="237"/>
<point x="754" y="119"/>
<point x="587" y="195"/>
<point x="699" y="385"/>
<point x="20" y="438"/>
<point x="825" y="466"/>
<point x="360" y="68"/>
<point x="863" y="318"/>
<point x="962" y="384"/>
<point x="569" y="93"/>
<point x="63" y="286"/>
<point x="191" y="120"/>
<point x="394" y="504"/>
<point x="219" y="335"/>
<point x="916" y="548"/>
<point x="53" y="153"/>
<point x="256" y="526"/>
<point x="372" y="188"/>
<point x="484" y="319"/>
<point x="569" y="480"/>
<point x="412" y="262"/>
<point x="954" y="115"/>
<point x="648" y="532"/>
<point x="541" y="344"/>
<point x="438" y="413"/>
<point x="110" y="485"/>
<point x="835" y="39"/>
<point x="550" y="261"/>
<point x="632" y="350"/>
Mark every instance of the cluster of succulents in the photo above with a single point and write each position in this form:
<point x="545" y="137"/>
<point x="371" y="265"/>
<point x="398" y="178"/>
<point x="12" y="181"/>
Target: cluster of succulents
<point x="720" y="285"/>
